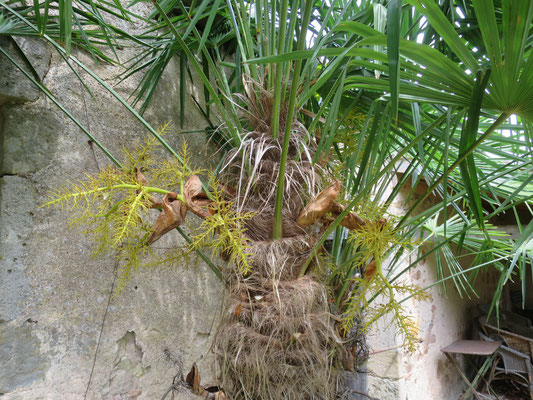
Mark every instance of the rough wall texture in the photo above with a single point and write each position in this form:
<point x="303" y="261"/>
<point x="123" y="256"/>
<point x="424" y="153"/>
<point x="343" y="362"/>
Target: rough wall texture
<point x="13" y="84"/>
<point x="62" y="334"/>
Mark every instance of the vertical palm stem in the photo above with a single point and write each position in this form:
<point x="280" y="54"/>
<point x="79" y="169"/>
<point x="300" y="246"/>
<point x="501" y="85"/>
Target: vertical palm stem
<point x="277" y="231"/>
<point x="279" y="70"/>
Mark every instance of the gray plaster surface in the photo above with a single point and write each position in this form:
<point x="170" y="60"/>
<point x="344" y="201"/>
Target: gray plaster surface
<point x="21" y="360"/>
<point x="63" y="335"/>
<point x="17" y="201"/>
<point x="14" y="87"/>
<point x="28" y="147"/>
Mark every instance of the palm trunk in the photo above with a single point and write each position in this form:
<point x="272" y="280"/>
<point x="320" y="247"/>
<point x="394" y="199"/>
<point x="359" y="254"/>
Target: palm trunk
<point x="276" y="340"/>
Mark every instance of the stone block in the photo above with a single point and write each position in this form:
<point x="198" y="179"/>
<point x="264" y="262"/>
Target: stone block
<point x="21" y="360"/>
<point x="29" y="139"/>
<point x="14" y="86"/>
<point x="17" y="200"/>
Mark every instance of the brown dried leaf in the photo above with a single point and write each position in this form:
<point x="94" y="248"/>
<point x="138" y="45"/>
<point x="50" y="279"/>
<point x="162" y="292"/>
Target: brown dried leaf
<point x="228" y="192"/>
<point x="193" y="379"/>
<point x="141" y="179"/>
<point x="348" y="360"/>
<point x="351" y="220"/>
<point x="321" y="205"/>
<point x="195" y="198"/>
<point x="238" y="310"/>
<point x="371" y="269"/>
<point x="172" y="216"/>
<point x="214" y="393"/>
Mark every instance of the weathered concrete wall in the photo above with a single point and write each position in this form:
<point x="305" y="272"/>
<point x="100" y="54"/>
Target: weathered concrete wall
<point x="62" y="334"/>
<point x="395" y="374"/>
<point x="442" y="321"/>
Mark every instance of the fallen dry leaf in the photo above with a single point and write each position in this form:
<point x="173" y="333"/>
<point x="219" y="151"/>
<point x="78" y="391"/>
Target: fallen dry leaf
<point x="195" y="198"/>
<point x="172" y="216"/>
<point x="321" y="205"/>
<point x="193" y="379"/>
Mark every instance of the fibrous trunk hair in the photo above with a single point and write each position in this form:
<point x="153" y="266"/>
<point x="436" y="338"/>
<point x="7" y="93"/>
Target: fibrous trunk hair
<point x="276" y="339"/>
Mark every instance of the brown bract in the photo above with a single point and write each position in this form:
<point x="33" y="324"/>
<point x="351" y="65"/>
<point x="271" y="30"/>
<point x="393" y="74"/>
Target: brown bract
<point x="371" y="269"/>
<point x="195" y="198"/>
<point x="351" y="220"/>
<point x="381" y="223"/>
<point x="321" y="205"/>
<point x="171" y="217"/>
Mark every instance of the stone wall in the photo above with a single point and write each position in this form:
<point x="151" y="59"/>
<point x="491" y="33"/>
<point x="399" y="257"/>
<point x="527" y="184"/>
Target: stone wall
<point x="63" y="335"/>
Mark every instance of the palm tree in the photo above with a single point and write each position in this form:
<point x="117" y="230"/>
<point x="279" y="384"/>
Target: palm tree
<point x="312" y="96"/>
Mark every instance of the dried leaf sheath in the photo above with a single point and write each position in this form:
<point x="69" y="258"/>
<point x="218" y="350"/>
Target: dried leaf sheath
<point x="351" y="220"/>
<point x="195" y="198"/>
<point x="321" y="205"/>
<point x="172" y="216"/>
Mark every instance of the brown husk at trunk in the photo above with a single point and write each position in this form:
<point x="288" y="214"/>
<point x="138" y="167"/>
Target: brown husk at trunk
<point x="279" y="345"/>
<point x="277" y="339"/>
